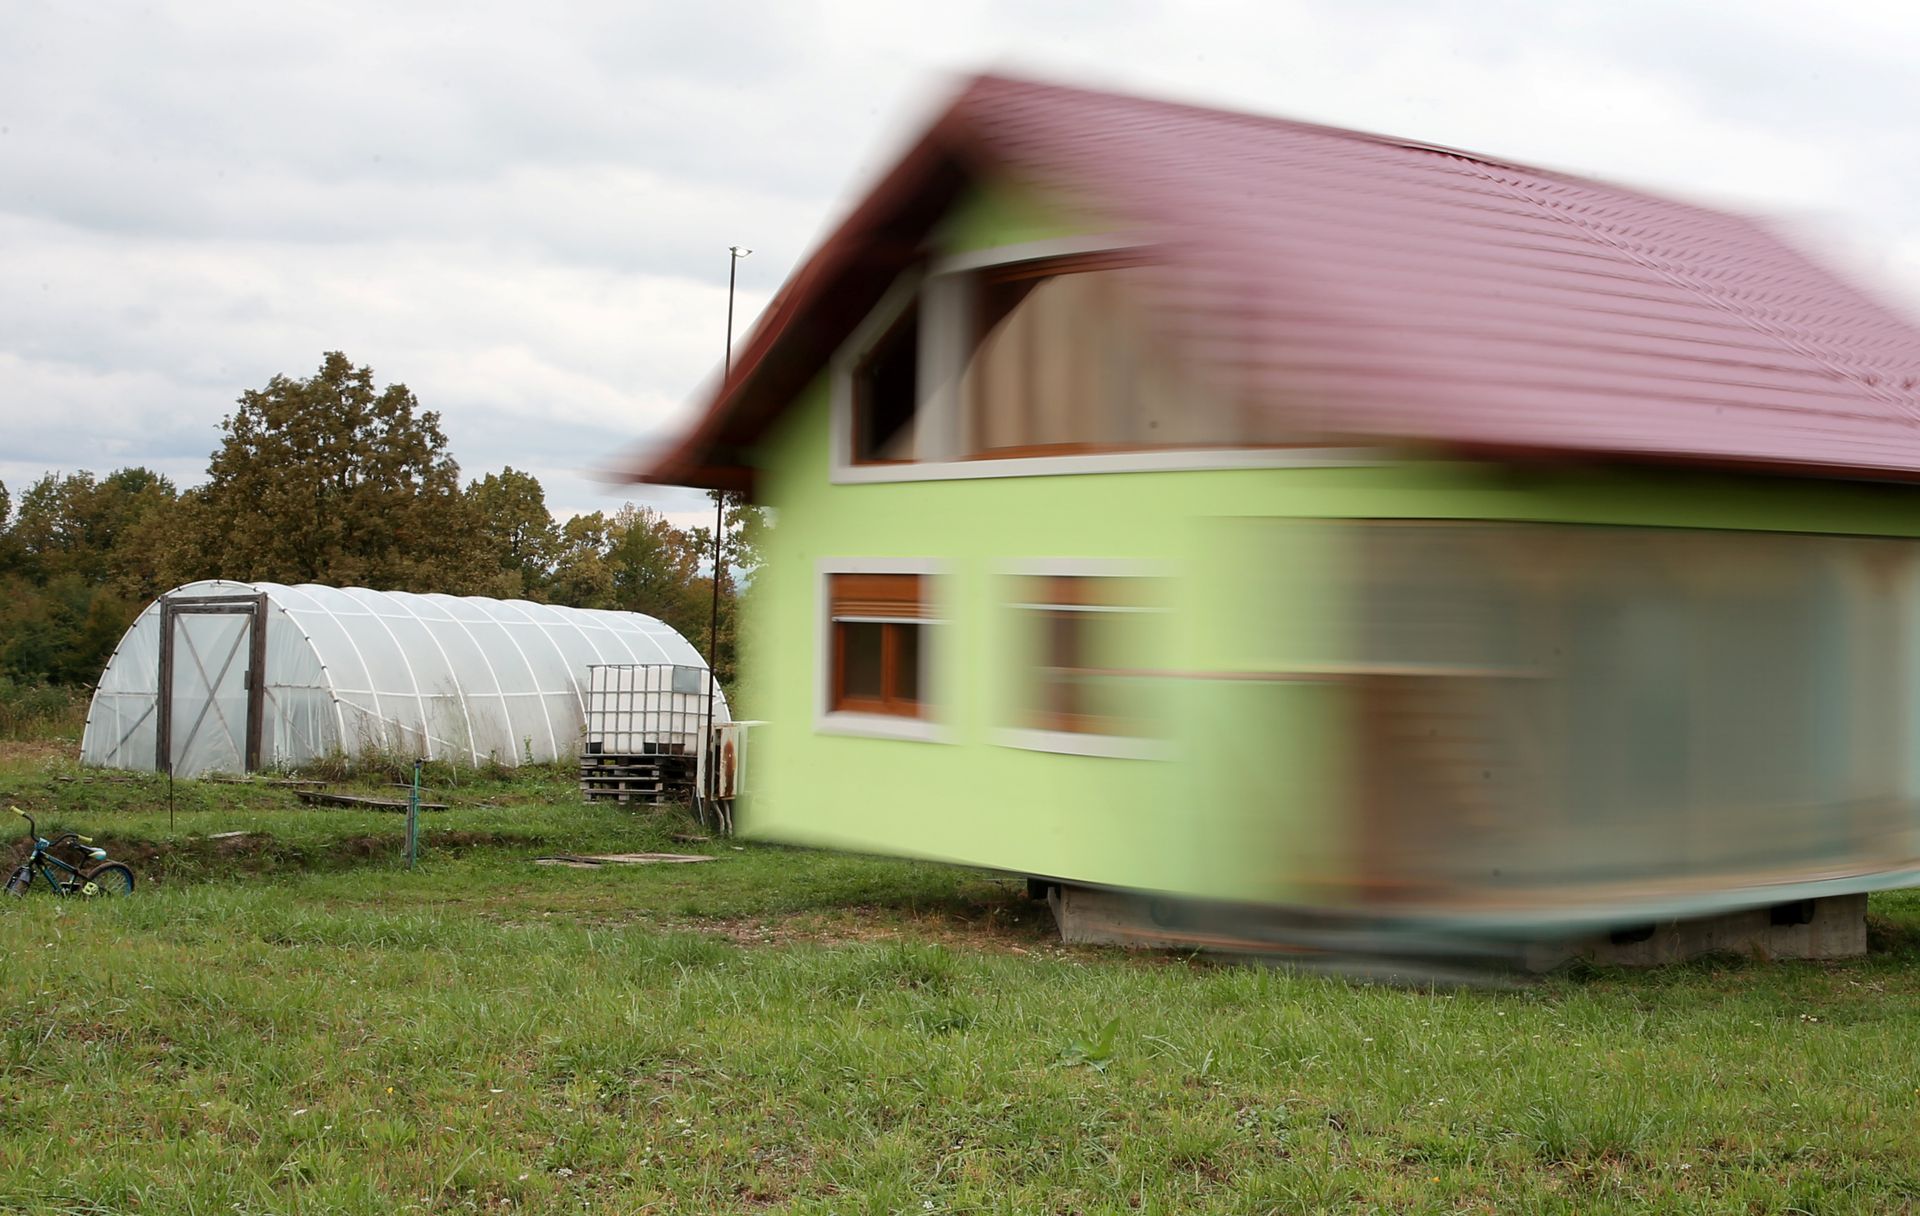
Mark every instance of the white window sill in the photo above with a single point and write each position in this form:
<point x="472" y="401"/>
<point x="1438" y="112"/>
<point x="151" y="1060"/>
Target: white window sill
<point x="881" y="726"/>
<point x="1074" y="743"/>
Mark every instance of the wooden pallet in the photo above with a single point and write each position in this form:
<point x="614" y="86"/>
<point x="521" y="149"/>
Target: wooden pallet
<point x="654" y="780"/>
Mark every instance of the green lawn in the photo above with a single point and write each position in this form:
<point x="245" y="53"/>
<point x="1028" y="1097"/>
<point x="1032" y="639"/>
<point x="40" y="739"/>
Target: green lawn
<point x="298" y="1024"/>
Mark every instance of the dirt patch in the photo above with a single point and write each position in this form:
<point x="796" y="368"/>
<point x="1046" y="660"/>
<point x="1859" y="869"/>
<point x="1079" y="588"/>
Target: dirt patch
<point x="1016" y="926"/>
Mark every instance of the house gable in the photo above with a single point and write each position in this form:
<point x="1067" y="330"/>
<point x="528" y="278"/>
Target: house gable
<point x="1368" y="290"/>
<point x="1030" y="339"/>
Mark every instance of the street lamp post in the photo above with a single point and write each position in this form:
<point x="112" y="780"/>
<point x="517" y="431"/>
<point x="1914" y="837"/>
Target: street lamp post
<point x="735" y="253"/>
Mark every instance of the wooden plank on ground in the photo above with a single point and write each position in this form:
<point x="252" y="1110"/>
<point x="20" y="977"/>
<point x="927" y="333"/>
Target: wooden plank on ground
<point x="592" y="860"/>
<point x="323" y="798"/>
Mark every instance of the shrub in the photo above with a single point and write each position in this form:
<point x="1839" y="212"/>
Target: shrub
<point x="41" y="711"/>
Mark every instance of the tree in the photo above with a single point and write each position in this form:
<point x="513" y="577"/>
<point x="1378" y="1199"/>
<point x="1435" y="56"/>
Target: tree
<point x="326" y="480"/>
<point x="515" y="534"/>
<point x="640" y="561"/>
<point x="9" y="549"/>
<point x="656" y="569"/>
<point x="581" y="576"/>
<point x="77" y="571"/>
<point x="743" y="530"/>
<point x="77" y="524"/>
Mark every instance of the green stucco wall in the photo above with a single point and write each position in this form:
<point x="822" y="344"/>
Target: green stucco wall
<point x="995" y="215"/>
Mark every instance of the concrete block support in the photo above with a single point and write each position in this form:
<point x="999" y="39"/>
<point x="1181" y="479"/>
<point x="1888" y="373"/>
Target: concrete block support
<point x="1829" y="928"/>
<point x="1834" y="927"/>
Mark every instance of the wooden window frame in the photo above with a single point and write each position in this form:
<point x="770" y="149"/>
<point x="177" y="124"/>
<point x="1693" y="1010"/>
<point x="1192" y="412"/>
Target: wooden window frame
<point x="980" y="321"/>
<point x="894" y="595"/>
<point x="889" y="702"/>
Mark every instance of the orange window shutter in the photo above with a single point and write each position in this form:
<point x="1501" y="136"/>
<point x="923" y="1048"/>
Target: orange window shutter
<point x="878" y="597"/>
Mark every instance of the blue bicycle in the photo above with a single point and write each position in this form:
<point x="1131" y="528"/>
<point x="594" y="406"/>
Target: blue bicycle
<point x="102" y="877"/>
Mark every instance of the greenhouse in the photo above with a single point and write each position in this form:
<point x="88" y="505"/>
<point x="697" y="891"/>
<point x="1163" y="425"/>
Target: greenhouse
<point x="232" y="677"/>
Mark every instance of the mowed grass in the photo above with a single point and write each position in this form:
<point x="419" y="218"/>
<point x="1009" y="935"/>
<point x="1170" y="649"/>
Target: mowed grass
<point x="785" y="1030"/>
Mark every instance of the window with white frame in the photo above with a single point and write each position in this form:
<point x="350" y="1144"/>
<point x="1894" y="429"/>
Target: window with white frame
<point x="878" y="625"/>
<point x="1092" y="645"/>
<point x="1035" y="356"/>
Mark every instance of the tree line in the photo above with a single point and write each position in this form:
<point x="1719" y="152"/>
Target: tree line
<point x="331" y="480"/>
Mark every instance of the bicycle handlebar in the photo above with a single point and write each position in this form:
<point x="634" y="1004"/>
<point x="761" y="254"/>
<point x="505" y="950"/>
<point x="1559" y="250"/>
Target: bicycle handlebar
<point x="59" y="840"/>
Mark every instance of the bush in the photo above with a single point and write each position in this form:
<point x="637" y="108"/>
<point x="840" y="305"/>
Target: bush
<point x="41" y="711"/>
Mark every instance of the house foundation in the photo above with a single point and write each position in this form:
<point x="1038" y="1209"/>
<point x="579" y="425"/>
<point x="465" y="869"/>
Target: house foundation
<point x="1828" y="928"/>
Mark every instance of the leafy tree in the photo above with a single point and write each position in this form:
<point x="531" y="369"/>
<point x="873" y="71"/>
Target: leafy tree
<point x="9" y="549"/>
<point x="581" y="576"/>
<point x="77" y="524"/>
<point x="743" y="529"/>
<point x="640" y="561"/>
<point x="60" y="631"/>
<point x="77" y="574"/>
<point x="328" y="480"/>
<point x="515" y="534"/>
<point x="656" y="569"/>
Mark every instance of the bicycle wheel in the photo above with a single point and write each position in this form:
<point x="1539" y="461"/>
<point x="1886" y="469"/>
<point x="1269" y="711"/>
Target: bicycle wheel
<point x="109" y="878"/>
<point x="18" y="881"/>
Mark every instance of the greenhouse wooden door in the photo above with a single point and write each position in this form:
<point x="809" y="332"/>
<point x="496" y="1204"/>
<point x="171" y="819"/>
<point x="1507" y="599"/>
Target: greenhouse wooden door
<point x="212" y="688"/>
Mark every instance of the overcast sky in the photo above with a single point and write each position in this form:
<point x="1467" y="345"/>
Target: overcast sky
<point x="523" y="212"/>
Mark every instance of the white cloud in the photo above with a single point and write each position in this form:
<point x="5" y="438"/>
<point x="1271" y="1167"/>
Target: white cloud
<point x="525" y="216"/>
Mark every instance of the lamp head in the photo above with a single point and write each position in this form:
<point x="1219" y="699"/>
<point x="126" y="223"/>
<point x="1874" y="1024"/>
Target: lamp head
<point x="739" y="251"/>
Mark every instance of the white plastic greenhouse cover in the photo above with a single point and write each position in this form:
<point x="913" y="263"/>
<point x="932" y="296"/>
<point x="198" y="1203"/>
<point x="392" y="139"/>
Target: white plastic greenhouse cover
<point x="347" y="669"/>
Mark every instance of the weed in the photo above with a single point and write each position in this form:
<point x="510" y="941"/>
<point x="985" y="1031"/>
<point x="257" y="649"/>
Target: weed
<point x="1095" y="1051"/>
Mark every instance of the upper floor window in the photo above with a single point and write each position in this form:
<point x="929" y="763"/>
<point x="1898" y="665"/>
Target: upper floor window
<point x="886" y="389"/>
<point x="1035" y="357"/>
<point x="1058" y="361"/>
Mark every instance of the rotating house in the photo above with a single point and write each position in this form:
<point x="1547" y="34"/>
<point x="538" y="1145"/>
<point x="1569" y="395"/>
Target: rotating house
<point x="233" y="677"/>
<point x="1174" y="501"/>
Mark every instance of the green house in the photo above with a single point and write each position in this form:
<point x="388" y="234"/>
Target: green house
<point x="1179" y="502"/>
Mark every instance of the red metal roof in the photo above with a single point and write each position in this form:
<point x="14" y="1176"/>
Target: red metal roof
<point x="1390" y="291"/>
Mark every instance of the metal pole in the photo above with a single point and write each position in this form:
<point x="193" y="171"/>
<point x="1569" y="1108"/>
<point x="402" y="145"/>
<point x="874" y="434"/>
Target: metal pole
<point x="413" y="817"/>
<point x="703" y="763"/>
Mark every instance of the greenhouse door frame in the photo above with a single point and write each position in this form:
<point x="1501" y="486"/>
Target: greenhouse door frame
<point x="254" y="608"/>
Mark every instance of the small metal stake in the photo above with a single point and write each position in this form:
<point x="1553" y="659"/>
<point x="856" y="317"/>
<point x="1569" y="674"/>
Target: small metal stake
<point x="413" y="817"/>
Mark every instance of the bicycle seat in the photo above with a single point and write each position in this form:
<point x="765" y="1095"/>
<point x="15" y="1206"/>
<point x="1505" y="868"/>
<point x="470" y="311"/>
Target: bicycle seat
<point x="97" y="854"/>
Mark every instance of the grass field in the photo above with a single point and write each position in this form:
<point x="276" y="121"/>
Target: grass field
<point x="295" y="1023"/>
